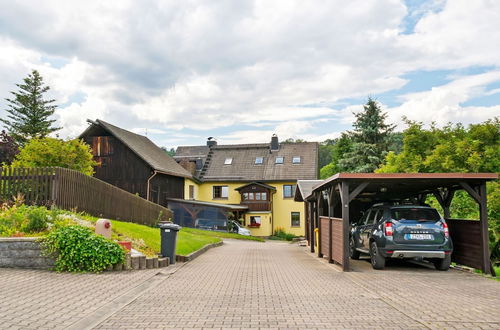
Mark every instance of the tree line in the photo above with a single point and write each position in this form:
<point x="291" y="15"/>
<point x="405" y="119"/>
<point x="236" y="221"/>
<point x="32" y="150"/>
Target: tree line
<point x="374" y="146"/>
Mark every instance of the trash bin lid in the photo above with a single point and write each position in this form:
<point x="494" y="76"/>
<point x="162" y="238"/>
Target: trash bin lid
<point x="168" y="225"/>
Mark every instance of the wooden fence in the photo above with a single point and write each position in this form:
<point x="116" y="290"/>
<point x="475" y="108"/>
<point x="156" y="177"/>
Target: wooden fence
<point x="332" y="240"/>
<point x="71" y="190"/>
<point x="466" y="238"/>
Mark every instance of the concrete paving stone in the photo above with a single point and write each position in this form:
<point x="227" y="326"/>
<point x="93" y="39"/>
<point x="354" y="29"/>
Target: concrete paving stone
<point x="256" y="285"/>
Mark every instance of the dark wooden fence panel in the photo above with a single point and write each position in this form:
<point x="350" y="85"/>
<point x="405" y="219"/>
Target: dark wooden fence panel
<point x="337" y="241"/>
<point x="72" y="190"/>
<point x="324" y="231"/>
<point x="466" y="238"/>
<point x="32" y="184"/>
<point x="332" y="239"/>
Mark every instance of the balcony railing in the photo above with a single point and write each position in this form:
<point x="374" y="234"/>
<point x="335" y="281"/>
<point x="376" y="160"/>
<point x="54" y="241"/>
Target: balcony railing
<point x="257" y="205"/>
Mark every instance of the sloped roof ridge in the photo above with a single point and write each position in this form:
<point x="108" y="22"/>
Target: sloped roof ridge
<point x="157" y="159"/>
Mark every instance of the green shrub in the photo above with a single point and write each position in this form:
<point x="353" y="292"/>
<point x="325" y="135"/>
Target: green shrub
<point x="78" y="249"/>
<point x="37" y="220"/>
<point x="12" y="219"/>
<point x="280" y="234"/>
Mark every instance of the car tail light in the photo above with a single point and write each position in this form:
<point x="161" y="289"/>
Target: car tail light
<point x="446" y="231"/>
<point x="388" y="229"/>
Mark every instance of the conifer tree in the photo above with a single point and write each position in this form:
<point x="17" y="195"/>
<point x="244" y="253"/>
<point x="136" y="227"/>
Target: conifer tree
<point x="28" y="112"/>
<point x="371" y="137"/>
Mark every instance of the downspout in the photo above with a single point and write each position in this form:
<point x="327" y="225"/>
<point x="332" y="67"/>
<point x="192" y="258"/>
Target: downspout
<point x="149" y="183"/>
<point x="271" y="195"/>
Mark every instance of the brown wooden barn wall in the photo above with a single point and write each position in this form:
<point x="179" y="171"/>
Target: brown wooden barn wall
<point x="121" y="167"/>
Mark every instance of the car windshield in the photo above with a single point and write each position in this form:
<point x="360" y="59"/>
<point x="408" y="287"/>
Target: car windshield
<point x="415" y="214"/>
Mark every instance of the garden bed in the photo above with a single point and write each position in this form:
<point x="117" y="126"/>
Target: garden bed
<point x="62" y="231"/>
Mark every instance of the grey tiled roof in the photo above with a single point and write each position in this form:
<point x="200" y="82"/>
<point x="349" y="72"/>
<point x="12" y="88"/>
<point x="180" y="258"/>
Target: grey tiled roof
<point x="305" y="188"/>
<point x="243" y="167"/>
<point x="192" y="152"/>
<point x="143" y="147"/>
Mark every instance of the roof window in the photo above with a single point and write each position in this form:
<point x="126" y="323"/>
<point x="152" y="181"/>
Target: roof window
<point x="296" y="160"/>
<point x="259" y="160"/>
<point x="279" y="160"/>
<point x="228" y="161"/>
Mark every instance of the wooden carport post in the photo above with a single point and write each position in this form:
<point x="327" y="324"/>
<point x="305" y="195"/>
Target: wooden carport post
<point x="331" y="191"/>
<point x="444" y="198"/>
<point x="479" y="195"/>
<point x="346" y="199"/>
<point x="311" y="225"/>
<point x="319" y="210"/>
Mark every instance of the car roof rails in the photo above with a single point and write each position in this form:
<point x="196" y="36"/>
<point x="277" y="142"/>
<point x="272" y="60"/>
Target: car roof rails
<point x="382" y="204"/>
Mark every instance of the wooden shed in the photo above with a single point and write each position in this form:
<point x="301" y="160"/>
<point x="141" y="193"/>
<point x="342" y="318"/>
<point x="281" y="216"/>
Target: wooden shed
<point x="134" y="163"/>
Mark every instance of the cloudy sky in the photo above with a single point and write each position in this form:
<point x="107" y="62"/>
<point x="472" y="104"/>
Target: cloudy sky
<point x="180" y="71"/>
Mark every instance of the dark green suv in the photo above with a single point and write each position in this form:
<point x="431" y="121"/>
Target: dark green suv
<point x="403" y="232"/>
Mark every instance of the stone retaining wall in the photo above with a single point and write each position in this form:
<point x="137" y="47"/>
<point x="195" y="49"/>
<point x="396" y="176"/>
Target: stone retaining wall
<point x="22" y="252"/>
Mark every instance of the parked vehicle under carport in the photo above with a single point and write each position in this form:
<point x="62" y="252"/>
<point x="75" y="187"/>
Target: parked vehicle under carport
<point x="402" y="232"/>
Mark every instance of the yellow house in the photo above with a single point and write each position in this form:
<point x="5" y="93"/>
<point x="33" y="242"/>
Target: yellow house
<point x="262" y="177"/>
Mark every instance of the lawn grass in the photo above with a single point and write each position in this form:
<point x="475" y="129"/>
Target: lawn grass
<point x="221" y="234"/>
<point x="147" y="239"/>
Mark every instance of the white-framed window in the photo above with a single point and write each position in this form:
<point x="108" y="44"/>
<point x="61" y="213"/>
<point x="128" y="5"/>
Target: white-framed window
<point x="220" y="192"/>
<point x="255" y="221"/>
<point x="259" y="160"/>
<point x="296" y="160"/>
<point x="191" y="191"/>
<point x="289" y="190"/>
<point x="228" y="161"/>
<point x="279" y="160"/>
<point x="295" y="217"/>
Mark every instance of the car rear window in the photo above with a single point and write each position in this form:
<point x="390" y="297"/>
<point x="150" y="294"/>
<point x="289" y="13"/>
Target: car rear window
<point x="415" y="214"/>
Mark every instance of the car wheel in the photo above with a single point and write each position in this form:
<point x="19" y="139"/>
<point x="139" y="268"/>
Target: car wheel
<point x="377" y="260"/>
<point x="442" y="264"/>
<point x="354" y="253"/>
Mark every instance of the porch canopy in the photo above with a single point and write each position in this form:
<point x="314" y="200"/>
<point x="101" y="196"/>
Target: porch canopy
<point x="190" y="213"/>
<point x="339" y="200"/>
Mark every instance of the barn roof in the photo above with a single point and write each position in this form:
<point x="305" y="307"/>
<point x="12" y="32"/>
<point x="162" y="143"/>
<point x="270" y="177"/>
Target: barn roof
<point x="243" y="166"/>
<point x="143" y="147"/>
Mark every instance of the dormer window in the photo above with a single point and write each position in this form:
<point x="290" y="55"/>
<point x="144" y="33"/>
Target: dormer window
<point x="296" y="160"/>
<point x="228" y="161"/>
<point x="279" y="160"/>
<point x="259" y="160"/>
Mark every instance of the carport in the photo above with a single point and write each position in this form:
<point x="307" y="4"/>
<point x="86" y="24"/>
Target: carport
<point x="334" y="202"/>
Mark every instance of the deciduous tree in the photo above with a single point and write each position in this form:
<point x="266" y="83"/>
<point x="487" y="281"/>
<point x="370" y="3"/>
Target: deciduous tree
<point x="48" y="152"/>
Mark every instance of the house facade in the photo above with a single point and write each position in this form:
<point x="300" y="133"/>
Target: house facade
<point x="261" y="177"/>
<point x="134" y="163"/>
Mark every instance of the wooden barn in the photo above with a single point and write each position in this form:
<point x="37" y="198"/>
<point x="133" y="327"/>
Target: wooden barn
<point x="134" y="163"/>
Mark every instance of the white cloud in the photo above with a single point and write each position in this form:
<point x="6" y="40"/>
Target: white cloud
<point x="442" y="104"/>
<point x="197" y="65"/>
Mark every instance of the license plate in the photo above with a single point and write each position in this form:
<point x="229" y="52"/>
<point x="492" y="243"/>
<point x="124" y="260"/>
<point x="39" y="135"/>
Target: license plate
<point x="419" y="236"/>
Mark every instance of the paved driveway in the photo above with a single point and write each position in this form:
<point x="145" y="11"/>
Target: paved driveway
<point x="252" y="285"/>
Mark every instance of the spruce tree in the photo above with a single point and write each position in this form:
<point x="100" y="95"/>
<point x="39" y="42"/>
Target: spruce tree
<point x="28" y="112"/>
<point x="371" y="137"/>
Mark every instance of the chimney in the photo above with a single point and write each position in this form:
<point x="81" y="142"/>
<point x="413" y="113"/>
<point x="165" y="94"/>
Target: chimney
<point x="211" y="141"/>
<point x="189" y="166"/>
<point x="275" y="145"/>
